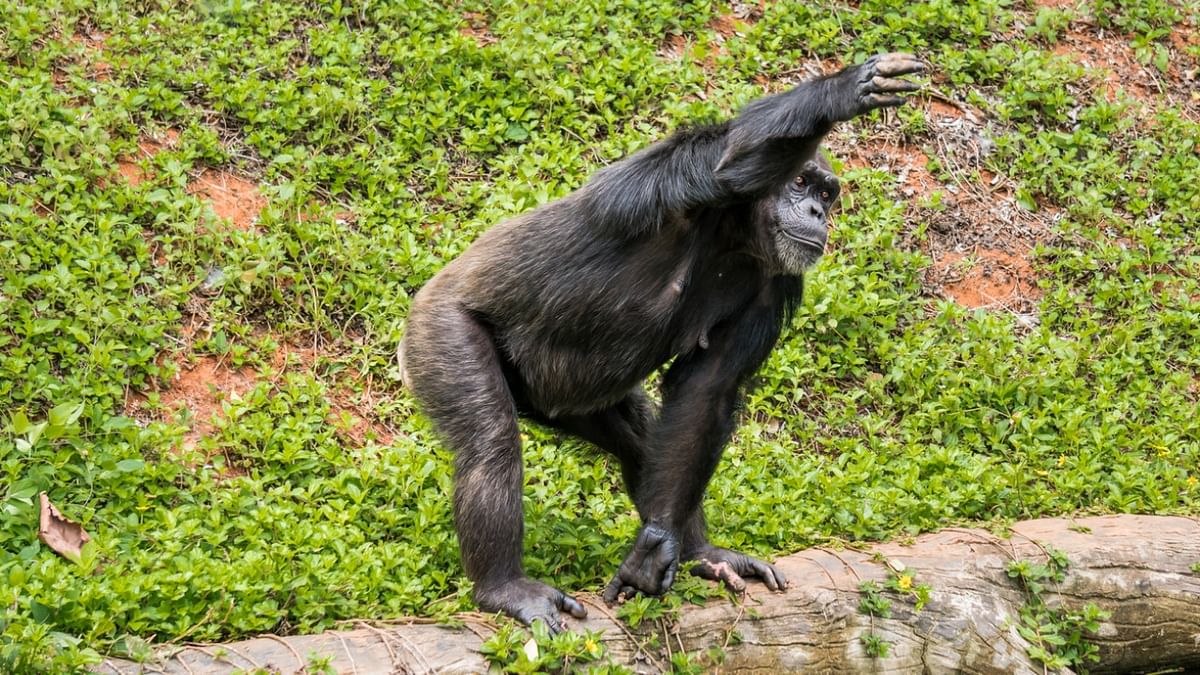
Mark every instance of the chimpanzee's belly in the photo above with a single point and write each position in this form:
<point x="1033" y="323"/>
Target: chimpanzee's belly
<point x="564" y="373"/>
<point x="595" y="353"/>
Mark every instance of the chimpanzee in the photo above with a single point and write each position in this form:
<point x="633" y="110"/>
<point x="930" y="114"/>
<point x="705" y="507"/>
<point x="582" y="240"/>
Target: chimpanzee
<point x="688" y="253"/>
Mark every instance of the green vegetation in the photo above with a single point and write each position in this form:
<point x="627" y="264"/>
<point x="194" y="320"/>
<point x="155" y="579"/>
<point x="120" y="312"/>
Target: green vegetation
<point x="511" y="650"/>
<point x="1056" y="635"/>
<point x="651" y="623"/>
<point x="386" y="136"/>
<point x="900" y="583"/>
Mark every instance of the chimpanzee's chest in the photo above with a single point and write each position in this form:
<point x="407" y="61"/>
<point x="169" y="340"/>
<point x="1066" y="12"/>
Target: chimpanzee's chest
<point x="718" y="290"/>
<point x="661" y="298"/>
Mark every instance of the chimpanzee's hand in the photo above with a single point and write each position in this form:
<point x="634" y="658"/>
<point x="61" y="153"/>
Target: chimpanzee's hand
<point x="729" y="567"/>
<point x="649" y="568"/>
<point x="875" y="84"/>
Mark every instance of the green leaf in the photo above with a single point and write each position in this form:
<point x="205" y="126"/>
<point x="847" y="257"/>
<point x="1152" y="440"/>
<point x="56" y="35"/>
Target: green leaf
<point x="128" y="465"/>
<point x="39" y="612"/>
<point x="19" y="423"/>
<point x="33" y="435"/>
<point x="516" y="132"/>
<point x="65" y="414"/>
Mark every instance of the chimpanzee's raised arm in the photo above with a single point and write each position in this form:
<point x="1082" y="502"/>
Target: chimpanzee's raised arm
<point x="759" y="149"/>
<point x="771" y="137"/>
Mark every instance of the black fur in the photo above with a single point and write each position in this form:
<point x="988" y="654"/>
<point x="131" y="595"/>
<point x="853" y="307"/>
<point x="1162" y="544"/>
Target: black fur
<point x="689" y="252"/>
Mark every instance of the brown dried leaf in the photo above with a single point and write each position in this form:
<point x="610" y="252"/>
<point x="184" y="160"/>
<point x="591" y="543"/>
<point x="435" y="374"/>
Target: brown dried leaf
<point x="64" y="537"/>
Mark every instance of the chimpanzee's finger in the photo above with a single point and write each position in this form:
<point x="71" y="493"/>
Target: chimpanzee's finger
<point x="899" y="64"/>
<point x="882" y="101"/>
<point x="889" y="84"/>
<point x="612" y="591"/>
<point x="668" y="577"/>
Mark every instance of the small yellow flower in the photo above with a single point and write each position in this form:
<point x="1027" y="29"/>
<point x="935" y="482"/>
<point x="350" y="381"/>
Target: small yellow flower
<point x="904" y="583"/>
<point x="1192" y="480"/>
<point x="1062" y="459"/>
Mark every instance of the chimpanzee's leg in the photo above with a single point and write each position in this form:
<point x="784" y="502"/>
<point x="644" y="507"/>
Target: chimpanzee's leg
<point x="622" y="431"/>
<point x="452" y="366"/>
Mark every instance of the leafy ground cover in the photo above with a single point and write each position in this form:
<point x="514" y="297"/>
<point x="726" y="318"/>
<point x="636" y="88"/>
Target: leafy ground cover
<point x="214" y="214"/>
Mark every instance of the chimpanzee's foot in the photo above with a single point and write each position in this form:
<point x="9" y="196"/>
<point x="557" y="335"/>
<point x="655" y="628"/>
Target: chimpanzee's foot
<point x="731" y="568"/>
<point x="527" y="600"/>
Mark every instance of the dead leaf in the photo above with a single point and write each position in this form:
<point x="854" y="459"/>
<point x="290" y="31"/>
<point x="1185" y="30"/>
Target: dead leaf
<point x="64" y="537"/>
<point x="531" y="649"/>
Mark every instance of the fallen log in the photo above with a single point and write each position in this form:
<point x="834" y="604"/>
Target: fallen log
<point x="1139" y="569"/>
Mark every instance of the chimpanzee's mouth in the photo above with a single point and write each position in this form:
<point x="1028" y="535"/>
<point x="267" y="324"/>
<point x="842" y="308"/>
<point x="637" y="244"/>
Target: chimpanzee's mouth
<point x="807" y="241"/>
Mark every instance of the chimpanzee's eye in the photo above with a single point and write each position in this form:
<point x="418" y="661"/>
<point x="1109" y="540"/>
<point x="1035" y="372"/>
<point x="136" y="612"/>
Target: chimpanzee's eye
<point x="825" y="195"/>
<point x="800" y="180"/>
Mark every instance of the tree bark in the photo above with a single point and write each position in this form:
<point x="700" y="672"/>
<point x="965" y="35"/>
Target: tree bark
<point x="1137" y="568"/>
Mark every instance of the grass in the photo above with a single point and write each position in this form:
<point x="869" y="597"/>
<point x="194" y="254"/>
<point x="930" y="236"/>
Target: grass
<point x="386" y="136"/>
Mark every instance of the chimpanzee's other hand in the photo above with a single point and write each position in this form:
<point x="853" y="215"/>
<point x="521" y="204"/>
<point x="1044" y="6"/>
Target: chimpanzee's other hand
<point x="875" y="84"/>
<point x="649" y="568"/>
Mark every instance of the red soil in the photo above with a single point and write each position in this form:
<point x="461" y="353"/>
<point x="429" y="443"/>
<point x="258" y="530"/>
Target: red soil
<point x="232" y="198"/>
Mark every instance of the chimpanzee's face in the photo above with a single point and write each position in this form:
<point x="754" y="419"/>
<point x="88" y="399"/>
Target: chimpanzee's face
<point x="801" y="217"/>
